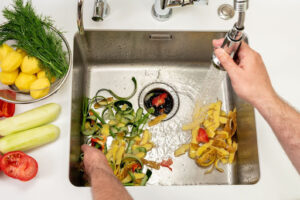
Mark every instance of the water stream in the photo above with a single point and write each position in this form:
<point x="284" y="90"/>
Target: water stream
<point x="168" y="136"/>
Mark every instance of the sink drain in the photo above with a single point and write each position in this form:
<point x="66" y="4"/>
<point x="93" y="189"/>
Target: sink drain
<point x="162" y="97"/>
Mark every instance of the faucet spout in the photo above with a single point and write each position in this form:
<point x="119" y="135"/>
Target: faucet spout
<point x="100" y="10"/>
<point x="162" y="9"/>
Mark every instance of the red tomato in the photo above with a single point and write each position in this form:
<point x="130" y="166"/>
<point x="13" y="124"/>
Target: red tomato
<point x="202" y="136"/>
<point x="18" y="165"/>
<point x="159" y="100"/>
<point x="167" y="163"/>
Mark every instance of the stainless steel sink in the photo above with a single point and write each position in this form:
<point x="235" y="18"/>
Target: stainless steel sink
<point x="178" y="60"/>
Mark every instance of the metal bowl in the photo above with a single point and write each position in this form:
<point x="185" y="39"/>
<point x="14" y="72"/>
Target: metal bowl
<point x="23" y="97"/>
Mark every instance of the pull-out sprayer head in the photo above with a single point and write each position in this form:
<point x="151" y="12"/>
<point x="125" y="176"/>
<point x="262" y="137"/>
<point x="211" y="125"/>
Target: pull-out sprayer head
<point x="235" y="36"/>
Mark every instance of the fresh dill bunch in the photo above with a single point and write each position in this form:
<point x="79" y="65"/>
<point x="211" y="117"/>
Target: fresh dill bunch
<point x="34" y="35"/>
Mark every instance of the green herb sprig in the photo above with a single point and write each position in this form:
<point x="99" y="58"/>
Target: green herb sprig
<point x="33" y="34"/>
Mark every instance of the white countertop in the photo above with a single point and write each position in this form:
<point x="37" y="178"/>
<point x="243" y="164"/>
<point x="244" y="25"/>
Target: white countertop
<point x="273" y="29"/>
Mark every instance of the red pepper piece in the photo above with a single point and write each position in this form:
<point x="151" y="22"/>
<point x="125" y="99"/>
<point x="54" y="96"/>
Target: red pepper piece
<point x="159" y="100"/>
<point x="7" y="109"/>
<point x="167" y="163"/>
<point x="202" y="136"/>
<point x="135" y="166"/>
<point x="98" y="141"/>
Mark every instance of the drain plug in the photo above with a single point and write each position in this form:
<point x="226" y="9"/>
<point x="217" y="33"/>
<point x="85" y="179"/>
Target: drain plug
<point x="162" y="97"/>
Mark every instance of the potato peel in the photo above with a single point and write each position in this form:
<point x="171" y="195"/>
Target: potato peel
<point x="220" y="128"/>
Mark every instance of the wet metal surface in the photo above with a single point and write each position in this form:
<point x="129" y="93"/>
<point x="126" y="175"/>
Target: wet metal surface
<point x="108" y="59"/>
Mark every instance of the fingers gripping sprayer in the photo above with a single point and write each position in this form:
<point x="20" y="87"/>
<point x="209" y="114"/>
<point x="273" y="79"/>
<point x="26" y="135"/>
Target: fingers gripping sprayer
<point x="235" y="36"/>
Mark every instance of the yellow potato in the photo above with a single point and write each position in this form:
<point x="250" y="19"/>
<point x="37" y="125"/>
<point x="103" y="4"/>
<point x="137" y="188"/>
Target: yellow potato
<point x="12" y="61"/>
<point x="42" y="74"/>
<point x="22" y="52"/>
<point x="9" y="78"/>
<point x="4" y="51"/>
<point x="39" y="88"/>
<point x="30" y="65"/>
<point x="24" y="81"/>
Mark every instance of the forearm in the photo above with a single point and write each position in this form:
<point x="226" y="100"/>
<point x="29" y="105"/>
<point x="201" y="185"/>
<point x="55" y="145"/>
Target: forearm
<point x="285" y="122"/>
<point x="106" y="186"/>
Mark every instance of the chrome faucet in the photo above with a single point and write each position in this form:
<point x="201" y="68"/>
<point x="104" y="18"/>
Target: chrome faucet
<point x="162" y="9"/>
<point x="101" y="10"/>
<point x="236" y="35"/>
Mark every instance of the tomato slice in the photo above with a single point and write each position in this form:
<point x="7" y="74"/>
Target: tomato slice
<point x="18" y="165"/>
<point x="159" y="100"/>
<point x="202" y="136"/>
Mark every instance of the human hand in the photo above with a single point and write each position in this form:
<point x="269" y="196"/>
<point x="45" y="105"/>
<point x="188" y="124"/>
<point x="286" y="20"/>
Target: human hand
<point x="249" y="77"/>
<point x="94" y="160"/>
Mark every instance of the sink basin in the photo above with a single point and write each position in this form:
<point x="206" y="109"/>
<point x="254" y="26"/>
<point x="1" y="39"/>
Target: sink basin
<point x="177" y="61"/>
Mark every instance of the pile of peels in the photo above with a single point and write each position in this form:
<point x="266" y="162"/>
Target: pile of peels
<point x="212" y="136"/>
<point x="124" y="161"/>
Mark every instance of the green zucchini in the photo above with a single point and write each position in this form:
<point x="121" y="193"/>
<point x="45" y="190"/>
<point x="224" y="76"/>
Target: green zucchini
<point x="130" y="157"/>
<point x="129" y="147"/>
<point x="131" y="175"/>
<point x="124" y="120"/>
<point x="139" y="114"/>
<point x="140" y="149"/>
<point x="147" y="177"/>
<point x="29" y="139"/>
<point x="30" y="119"/>
<point x="129" y="117"/>
<point x="97" y="116"/>
<point x="128" y="184"/>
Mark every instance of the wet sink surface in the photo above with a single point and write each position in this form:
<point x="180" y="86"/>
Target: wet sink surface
<point x="178" y="60"/>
